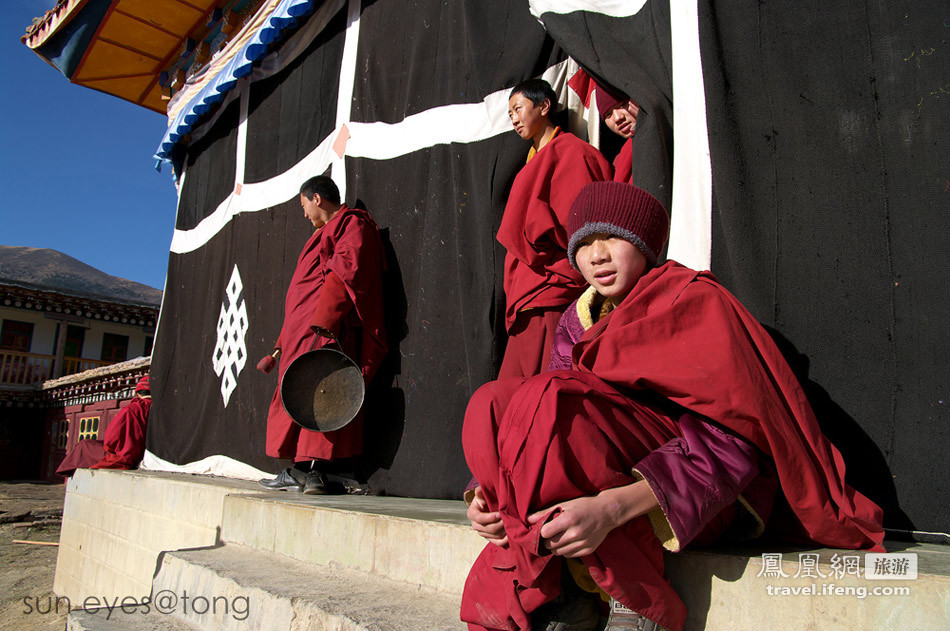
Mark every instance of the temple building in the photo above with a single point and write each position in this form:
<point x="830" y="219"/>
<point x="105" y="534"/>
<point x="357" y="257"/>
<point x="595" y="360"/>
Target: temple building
<point x="55" y="329"/>
<point x="802" y="166"/>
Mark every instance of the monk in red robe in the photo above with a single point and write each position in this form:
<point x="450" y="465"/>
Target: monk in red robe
<point x="335" y="297"/>
<point x="539" y="282"/>
<point x="123" y="444"/>
<point x="669" y="417"/>
<point x="620" y="115"/>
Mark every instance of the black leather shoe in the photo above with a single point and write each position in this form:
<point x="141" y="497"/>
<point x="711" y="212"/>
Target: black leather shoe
<point x="318" y="484"/>
<point x="286" y="480"/>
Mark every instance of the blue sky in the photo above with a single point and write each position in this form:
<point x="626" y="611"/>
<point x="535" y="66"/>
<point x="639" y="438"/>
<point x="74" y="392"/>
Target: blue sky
<point x="76" y="167"/>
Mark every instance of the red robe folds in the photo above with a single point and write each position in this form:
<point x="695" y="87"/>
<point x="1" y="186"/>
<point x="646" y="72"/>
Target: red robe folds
<point x="537" y="272"/>
<point x="567" y="434"/>
<point x="705" y="352"/>
<point x="122" y="446"/>
<point x="623" y="163"/>
<point x="336" y="285"/>
<point x="124" y="440"/>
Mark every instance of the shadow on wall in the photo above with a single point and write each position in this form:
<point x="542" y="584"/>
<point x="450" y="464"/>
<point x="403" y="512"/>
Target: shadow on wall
<point x="866" y="468"/>
<point x="385" y="407"/>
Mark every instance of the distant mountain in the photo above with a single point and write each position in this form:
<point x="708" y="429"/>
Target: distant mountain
<point x="49" y="269"/>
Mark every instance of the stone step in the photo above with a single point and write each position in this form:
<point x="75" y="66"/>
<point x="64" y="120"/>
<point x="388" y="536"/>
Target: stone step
<point x="423" y="542"/>
<point x="234" y="587"/>
<point x="124" y="620"/>
<point x="117" y="523"/>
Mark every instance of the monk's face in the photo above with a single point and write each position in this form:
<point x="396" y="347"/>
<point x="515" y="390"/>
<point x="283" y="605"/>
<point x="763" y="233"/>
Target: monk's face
<point x="312" y="210"/>
<point x="622" y="118"/>
<point x="528" y="119"/>
<point x="610" y="264"/>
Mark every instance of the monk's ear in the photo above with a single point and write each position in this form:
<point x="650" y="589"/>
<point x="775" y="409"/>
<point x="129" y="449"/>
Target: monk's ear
<point x="545" y="107"/>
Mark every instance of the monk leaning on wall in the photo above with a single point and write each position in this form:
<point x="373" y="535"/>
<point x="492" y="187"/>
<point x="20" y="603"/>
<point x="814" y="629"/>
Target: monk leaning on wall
<point x="539" y="282"/>
<point x="668" y="417"/>
<point x="335" y="298"/>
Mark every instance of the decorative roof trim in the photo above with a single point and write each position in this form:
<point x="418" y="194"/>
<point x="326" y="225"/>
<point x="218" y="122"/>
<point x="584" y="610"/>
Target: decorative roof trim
<point x="283" y="17"/>
<point x="133" y="366"/>
<point x="79" y="295"/>
<point x="50" y="22"/>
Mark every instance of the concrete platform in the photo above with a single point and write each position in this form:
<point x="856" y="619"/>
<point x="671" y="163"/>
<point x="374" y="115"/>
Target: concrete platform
<point x="422" y="542"/>
<point x="101" y="620"/>
<point x="235" y="588"/>
<point x="735" y="588"/>
<point x="318" y="562"/>
<point x="116" y="523"/>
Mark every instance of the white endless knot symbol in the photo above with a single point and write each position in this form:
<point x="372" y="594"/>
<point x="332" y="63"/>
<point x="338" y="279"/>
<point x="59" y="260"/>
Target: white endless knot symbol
<point x="230" y="353"/>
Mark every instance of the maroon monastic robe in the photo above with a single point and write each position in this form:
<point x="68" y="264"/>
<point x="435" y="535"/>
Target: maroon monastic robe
<point x="124" y="440"/>
<point x="708" y="354"/>
<point x="537" y="272"/>
<point x="122" y="446"/>
<point x="623" y="163"/>
<point x="567" y="434"/>
<point x="337" y="285"/>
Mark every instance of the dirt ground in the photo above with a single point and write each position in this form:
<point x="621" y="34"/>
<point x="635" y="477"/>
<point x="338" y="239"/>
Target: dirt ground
<point x="29" y="511"/>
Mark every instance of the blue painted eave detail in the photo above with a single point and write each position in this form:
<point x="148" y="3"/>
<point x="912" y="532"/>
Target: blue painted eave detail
<point x="283" y="17"/>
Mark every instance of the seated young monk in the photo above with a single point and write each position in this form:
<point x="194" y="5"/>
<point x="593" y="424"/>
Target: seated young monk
<point x="668" y="418"/>
<point x="123" y="444"/>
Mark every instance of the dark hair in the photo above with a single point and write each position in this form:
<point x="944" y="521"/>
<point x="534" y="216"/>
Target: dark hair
<point x="535" y="90"/>
<point x="323" y="186"/>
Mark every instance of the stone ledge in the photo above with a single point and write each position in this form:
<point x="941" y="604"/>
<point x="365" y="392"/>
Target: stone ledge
<point x="729" y="588"/>
<point x="117" y="620"/>
<point x="429" y="543"/>
<point x="371" y="534"/>
<point x="234" y="588"/>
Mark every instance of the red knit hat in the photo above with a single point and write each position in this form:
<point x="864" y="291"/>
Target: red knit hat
<point x="607" y="98"/>
<point x="622" y="210"/>
<point x="142" y="385"/>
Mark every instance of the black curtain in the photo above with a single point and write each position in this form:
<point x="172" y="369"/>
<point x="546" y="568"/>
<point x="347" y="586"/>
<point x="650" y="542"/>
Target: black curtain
<point x="827" y="128"/>
<point x="438" y="208"/>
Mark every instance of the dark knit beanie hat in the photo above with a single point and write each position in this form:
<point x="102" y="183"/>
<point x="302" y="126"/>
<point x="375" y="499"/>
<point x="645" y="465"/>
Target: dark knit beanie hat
<point x="607" y="98"/>
<point x="620" y="209"/>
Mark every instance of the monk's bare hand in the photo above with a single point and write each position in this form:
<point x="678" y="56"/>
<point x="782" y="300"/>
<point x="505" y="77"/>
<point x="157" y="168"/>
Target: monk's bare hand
<point x="584" y="523"/>
<point x="485" y="522"/>
<point x="578" y="529"/>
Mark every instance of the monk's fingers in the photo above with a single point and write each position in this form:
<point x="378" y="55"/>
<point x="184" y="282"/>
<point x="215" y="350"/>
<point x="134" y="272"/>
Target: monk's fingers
<point x="495" y="528"/>
<point x="487" y="521"/>
<point x="558" y="525"/>
<point x="487" y="524"/>
<point x="498" y="538"/>
<point x="534" y="518"/>
<point x="573" y="550"/>
<point x="566" y="542"/>
<point x="478" y="511"/>
<point x="573" y="541"/>
<point x="557" y="540"/>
